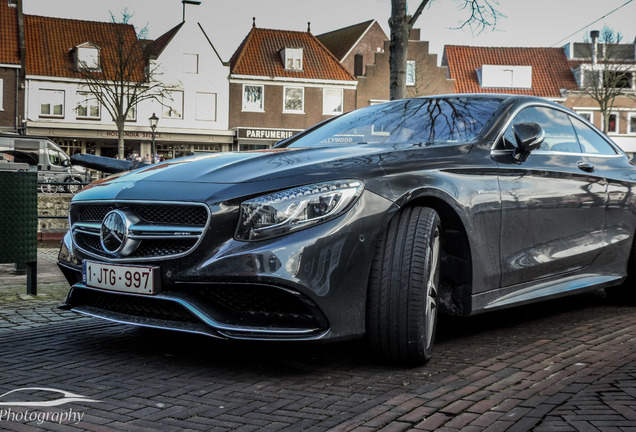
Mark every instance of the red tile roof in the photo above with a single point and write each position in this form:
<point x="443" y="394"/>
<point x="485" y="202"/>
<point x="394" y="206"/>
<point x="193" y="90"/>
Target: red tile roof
<point x="550" y="68"/>
<point x="49" y="43"/>
<point x="259" y="55"/>
<point x="9" y="48"/>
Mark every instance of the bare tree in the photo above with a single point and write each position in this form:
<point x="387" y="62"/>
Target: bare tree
<point x="482" y="14"/>
<point x="120" y="77"/>
<point x="605" y="75"/>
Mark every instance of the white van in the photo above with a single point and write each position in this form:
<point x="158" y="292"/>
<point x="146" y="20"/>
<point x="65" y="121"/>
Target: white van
<point x="18" y="152"/>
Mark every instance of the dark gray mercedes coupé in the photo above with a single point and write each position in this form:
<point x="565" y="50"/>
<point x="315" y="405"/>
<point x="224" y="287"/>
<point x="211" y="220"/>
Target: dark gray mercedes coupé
<point x="366" y="225"/>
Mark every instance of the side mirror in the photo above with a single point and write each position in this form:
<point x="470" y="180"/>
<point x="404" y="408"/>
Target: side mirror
<point x="529" y="137"/>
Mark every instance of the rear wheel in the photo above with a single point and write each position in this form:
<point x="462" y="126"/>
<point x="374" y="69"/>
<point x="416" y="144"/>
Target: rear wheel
<point x="402" y="303"/>
<point x="73" y="188"/>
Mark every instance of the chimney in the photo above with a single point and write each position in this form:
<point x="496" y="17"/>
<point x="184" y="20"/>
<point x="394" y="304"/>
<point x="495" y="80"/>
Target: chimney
<point x="188" y="2"/>
<point x="594" y="34"/>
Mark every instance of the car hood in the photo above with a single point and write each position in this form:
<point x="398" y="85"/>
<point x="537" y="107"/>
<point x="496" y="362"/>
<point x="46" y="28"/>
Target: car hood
<point x="251" y="172"/>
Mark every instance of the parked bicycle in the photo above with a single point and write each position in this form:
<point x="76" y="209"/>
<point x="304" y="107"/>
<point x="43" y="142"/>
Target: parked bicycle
<point x="49" y="186"/>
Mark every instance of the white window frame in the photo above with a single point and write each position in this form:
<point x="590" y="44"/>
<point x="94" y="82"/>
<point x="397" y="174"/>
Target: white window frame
<point x="325" y="110"/>
<point x="302" y="100"/>
<point x="631" y="116"/>
<point x="51" y="103"/>
<point x="132" y="114"/>
<point x="411" y="78"/>
<point x="88" y="100"/>
<point x="250" y="106"/>
<point x="618" y="126"/>
<point x="202" y="107"/>
<point x="585" y="113"/>
<point x="190" y="63"/>
<point x="88" y="58"/>
<point x="293" y="58"/>
<point x="175" y="100"/>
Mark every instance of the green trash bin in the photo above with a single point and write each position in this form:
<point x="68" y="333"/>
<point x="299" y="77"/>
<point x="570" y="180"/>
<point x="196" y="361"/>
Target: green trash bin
<point x="19" y="222"/>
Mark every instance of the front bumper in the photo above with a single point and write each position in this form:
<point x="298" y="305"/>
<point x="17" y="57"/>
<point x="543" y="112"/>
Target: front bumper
<point x="307" y="285"/>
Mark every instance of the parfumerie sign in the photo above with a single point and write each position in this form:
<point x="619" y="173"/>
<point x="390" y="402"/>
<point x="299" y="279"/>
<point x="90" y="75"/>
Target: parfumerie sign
<point x="267" y="134"/>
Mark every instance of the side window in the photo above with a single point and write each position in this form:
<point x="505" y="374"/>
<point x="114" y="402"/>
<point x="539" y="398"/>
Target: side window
<point x="56" y="158"/>
<point x="590" y="140"/>
<point x="559" y="133"/>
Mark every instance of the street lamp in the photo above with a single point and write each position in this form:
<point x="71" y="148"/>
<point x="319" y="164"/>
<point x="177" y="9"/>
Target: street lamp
<point x="153" y="127"/>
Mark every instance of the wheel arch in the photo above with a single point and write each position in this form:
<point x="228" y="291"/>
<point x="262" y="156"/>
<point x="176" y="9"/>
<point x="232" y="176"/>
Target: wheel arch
<point x="456" y="262"/>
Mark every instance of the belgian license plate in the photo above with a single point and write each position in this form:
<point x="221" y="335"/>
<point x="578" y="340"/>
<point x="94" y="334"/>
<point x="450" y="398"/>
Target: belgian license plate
<point x="124" y="278"/>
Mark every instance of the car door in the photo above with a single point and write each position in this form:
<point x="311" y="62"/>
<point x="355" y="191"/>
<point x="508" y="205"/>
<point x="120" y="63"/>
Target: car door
<point x="620" y="174"/>
<point x="553" y="203"/>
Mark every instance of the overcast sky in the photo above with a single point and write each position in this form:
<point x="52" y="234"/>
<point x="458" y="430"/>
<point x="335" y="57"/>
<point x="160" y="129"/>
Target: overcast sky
<point x="227" y="22"/>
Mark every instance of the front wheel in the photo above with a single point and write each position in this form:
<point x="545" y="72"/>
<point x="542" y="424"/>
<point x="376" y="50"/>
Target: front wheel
<point x="47" y="188"/>
<point x="402" y="304"/>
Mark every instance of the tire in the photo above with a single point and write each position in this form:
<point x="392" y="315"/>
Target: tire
<point x="73" y="188"/>
<point x="626" y="292"/>
<point x="402" y="299"/>
<point x="48" y="189"/>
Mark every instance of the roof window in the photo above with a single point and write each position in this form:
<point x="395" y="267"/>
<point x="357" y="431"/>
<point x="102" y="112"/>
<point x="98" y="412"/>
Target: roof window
<point x="87" y="56"/>
<point x="292" y="58"/>
<point x="500" y="76"/>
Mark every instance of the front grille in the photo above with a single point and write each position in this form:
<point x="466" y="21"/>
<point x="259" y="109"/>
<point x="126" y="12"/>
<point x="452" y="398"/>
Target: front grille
<point x="233" y="310"/>
<point x="260" y="306"/>
<point x="185" y="214"/>
<point x="173" y="214"/>
<point x="133" y="306"/>
<point x="164" y="230"/>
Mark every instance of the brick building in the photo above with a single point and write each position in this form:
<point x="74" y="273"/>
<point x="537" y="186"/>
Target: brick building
<point x="364" y="50"/>
<point x="11" y="70"/>
<point x="282" y="82"/>
<point x="355" y="46"/>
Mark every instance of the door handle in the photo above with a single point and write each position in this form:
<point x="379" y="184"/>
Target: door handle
<point x="585" y="166"/>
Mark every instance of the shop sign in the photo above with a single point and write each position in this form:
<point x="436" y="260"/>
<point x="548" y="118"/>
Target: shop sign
<point x="265" y="134"/>
<point x="129" y="134"/>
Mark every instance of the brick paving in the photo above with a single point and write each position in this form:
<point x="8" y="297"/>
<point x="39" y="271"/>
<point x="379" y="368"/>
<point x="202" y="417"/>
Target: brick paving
<point x="566" y="365"/>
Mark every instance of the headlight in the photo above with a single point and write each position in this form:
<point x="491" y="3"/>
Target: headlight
<point x="294" y="209"/>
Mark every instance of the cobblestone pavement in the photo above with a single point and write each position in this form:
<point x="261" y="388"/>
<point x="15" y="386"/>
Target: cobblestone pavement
<point x="564" y="365"/>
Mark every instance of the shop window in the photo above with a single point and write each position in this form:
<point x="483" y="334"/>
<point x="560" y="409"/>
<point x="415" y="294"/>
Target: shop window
<point x="51" y="103"/>
<point x="206" y="106"/>
<point x="253" y="98"/>
<point x="88" y="106"/>
<point x="332" y="101"/>
<point x="173" y="105"/>
<point x="294" y="100"/>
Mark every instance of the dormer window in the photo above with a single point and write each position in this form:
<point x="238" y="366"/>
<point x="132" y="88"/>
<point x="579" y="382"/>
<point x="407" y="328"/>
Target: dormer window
<point x="293" y="58"/>
<point x="87" y="57"/>
<point x="499" y="76"/>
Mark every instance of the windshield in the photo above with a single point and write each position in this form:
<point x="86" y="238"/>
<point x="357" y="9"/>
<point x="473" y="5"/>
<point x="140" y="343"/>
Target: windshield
<point x="424" y="120"/>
